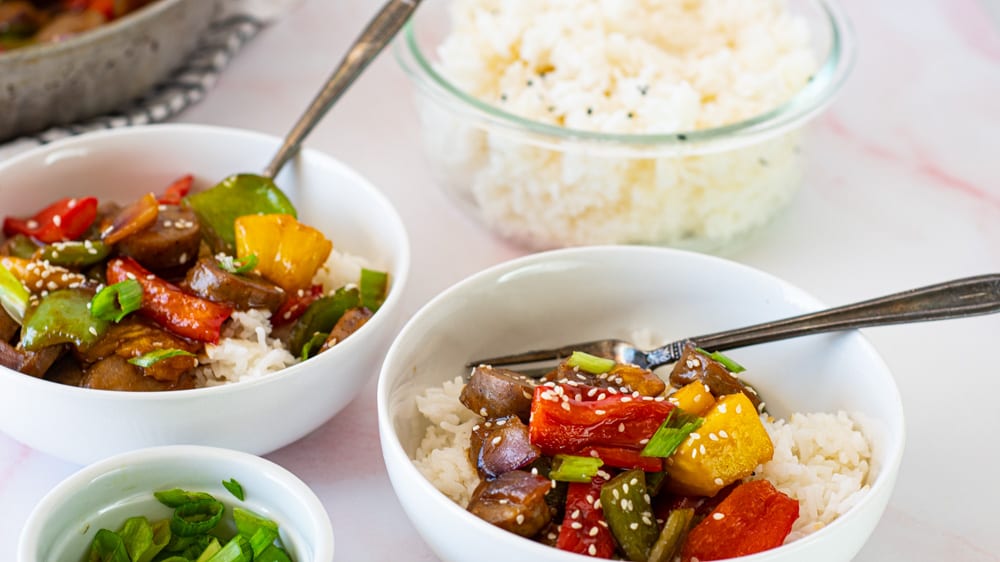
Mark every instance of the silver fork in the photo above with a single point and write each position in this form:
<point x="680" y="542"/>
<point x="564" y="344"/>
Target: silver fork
<point x="953" y="299"/>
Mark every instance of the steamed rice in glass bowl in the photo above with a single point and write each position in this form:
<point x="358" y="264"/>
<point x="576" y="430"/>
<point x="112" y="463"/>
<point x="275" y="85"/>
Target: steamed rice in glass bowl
<point x="563" y="123"/>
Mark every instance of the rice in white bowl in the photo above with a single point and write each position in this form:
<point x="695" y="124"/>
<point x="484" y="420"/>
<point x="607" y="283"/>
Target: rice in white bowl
<point x="247" y="348"/>
<point x="820" y="459"/>
<point x="621" y="67"/>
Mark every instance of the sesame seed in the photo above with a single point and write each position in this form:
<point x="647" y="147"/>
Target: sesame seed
<point x="575" y="514"/>
<point x="695" y="435"/>
<point x="718" y="516"/>
<point x="57" y="220"/>
<point x="594" y="530"/>
<point x="92" y="330"/>
<point x="719" y="481"/>
<point x="496" y="440"/>
<point x="697" y="397"/>
<point x="503" y="501"/>
<point x="482" y="411"/>
<point x="565" y="406"/>
<point x="643" y="441"/>
<point x="600" y="412"/>
<point x="633" y="525"/>
<point x="625" y="487"/>
<point x="576" y="525"/>
<point x="626" y="399"/>
<point x="713" y="437"/>
<point x="722" y="408"/>
<point x="592" y="550"/>
<point x="519" y="518"/>
<point x="621" y="427"/>
<point x="589" y="498"/>
<point x="168" y="223"/>
<point x="534" y="471"/>
<point x="739" y="408"/>
<point x="701" y="449"/>
<point x="615" y="493"/>
<point x="723" y="434"/>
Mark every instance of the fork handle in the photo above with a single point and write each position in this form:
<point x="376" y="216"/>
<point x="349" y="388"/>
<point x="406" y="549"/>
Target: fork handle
<point x="962" y="297"/>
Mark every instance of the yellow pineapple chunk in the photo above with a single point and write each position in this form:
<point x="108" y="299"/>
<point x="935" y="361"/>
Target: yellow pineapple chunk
<point x="693" y="398"/>
<point x="726" y="448"/>
<point x="288" y="252"/>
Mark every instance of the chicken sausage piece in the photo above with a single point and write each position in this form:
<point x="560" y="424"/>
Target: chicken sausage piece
<point x="243" y="292"/>
<point x="493" y="392"/>
<point x="116" y="373"/>
<point x="515" y="501"/>
<point x="170" y="243"/>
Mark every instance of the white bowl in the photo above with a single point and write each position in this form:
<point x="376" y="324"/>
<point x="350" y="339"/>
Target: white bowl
<point x="564" y="296"/>
<point x="259" y="415"/>
<point x="105" y="494"/>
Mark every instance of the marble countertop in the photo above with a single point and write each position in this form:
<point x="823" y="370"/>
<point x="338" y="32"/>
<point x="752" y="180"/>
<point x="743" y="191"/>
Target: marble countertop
<point x="902" y="189"/>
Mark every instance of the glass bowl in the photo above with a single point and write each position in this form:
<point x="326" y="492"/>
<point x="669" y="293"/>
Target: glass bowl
<point x="544" y="185"/>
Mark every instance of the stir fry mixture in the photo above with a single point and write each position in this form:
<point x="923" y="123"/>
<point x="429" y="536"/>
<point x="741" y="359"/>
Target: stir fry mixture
<point x="595" y="459"/>
<point x="113" y="297"/>
<point x="195" y="532"/>
<point x="24" y="23"/>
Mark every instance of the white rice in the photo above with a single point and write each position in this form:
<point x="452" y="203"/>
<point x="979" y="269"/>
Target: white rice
<point x="620" y="66"/>
<point x="820" y="459"/>
<point x="246" y="349"/>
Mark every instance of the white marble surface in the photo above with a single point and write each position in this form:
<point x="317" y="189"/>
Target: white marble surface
<point x="902" y="190"/>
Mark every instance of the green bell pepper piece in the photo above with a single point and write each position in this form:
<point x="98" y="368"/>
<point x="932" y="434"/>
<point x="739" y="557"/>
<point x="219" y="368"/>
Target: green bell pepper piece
<point x="629" y="514"/>
<point x="321" y="316"/>
<point x="238" y="195"/>
<point x="672" y="538"/>
<point x="63" y="316"/>
<point x="75" y="254"/>
<point x="21" y="246"/>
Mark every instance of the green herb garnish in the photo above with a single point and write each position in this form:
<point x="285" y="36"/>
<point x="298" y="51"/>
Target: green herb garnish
<point x="672" y="432"/>
<point x="571" y="468"/>
<point x="590" y="363"/>
<point x="728" y="363"/>
<point x="373" y="286"/>
<point x="153" y="357"/>
<point x="114" y="302"/>
<point x="234" y="487"/>
<point x="239" y="267"/>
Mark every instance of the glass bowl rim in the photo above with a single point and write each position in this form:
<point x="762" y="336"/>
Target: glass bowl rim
<point x="802" y="106"/>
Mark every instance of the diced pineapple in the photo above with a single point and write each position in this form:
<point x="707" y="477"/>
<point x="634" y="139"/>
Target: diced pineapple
<point x="693" y="398"/>
<point x="726" y="448"/>
<point x="288" y="252"/>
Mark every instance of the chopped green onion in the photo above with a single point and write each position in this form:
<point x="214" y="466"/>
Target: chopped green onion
<point x="272" y="554"/>
<point x="137" y="534"/>
<point x="374" y="285"/>
<point x="236" y="550"/>
<point x="116" y="301"/>
<point x="153" y="357"/>
<point x="230" y="264"/>
<point x="13" y="296"/>
<point x="571" y="468"/>
<point x="161" y="538"/>
<point x="312" y="346"/>
<point x="590" y="363"/>
<point x="672" y="432"/>
<point x="234" y="487"/>
<point x="211" y="550"/>
<point x="178" y="497"/>
<point x="195" y="518"/>
<point x="728" y="363"/>
<point x="247" y="522"/>
<point x="262" y="538"/>
<point x="107" y="546"/>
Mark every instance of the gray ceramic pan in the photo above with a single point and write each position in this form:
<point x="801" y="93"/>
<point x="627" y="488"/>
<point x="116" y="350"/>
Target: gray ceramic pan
<point x="100" y="70"/>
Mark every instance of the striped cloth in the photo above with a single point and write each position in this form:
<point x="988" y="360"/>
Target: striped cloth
<point x="240" y="22"/>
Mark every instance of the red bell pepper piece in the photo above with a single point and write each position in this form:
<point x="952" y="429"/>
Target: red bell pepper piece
<point x="176" y="191"/>
<point x="66" y="219"/>
<point x="133" y="218"/>
<point x="755" y="517"/>
<point x="566" y="418"/>
<point x="104" y="7"/>
<point x="620" y="457"/>
<point x="583" y="515"/>
<point x="295" y="305"/>
<point x="185" y="315"/>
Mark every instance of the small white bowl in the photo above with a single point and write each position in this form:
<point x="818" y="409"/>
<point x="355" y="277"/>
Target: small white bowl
<point x="582" y="294"/>
<point x="256" y="416"/>
<point x="105" y="494"/>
